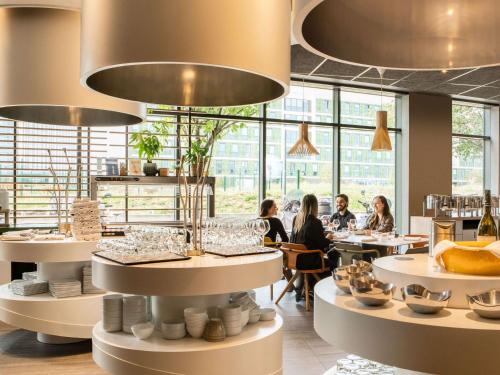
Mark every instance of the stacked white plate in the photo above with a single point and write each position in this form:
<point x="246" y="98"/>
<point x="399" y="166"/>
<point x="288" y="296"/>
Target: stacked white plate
<point x="173" y="329"/>
<point x="28" y="287"/>
<point x="134" y="312"/>
<point x="196" y="320"/>
<point x="30" y="275"/>
<point x="232" y="319"/>
<point x="112" y="312"/>
<point x="65" y="288"/>
<point x="88" y="287"/>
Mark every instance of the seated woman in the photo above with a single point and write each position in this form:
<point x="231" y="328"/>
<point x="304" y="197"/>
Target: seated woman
<point x="308" y="230"/>
<point x="268" y="211"/>
<point x="381" y="220"/>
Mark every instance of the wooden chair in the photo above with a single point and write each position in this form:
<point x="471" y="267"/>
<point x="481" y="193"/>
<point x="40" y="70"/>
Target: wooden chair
<point x="424" y="243"/>
<point x="348" y="252"/>
<point x="292" y="251"/>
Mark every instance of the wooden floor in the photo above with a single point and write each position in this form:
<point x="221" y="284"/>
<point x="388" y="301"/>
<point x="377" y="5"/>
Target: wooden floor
<point x="304" y="353"/>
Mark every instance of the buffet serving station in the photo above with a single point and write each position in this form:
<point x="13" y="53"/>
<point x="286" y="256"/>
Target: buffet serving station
<point x="438" y="332"/>
<point x="57" y="320"/>
<point x="200" y="282"/>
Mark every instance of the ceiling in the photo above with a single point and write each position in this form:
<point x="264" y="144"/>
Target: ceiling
<point x="480" y="84"/>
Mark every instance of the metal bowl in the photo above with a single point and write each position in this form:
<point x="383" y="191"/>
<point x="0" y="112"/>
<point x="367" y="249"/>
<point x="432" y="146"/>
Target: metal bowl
<point x="486" y="305"/>
<point x="362" y="265"/>
<point x="423" y="301"/>
<point x="342" y="277"/>
<point x="372" y="292"/>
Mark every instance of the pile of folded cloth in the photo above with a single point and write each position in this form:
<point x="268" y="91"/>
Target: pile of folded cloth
<point x="87" y="286"/>
<point x="28" y="287"/>
<point x="18" y="235"/>
<point x="65" y="288"/>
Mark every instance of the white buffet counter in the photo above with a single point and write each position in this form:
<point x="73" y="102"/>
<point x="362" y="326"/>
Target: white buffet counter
<point x="454" y="341"/>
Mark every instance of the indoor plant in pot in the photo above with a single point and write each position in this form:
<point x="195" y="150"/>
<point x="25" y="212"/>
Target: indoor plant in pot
<point x="149" y="145"/>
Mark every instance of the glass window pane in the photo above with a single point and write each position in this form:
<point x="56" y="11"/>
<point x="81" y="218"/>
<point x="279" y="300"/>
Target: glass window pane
<point x="359" y="107"/>
<point x="365" y="173"/>
<point x="290" y="177"/>
<point x="235" y="166"/>
<point x="468" y="119"/>
<point x="304" y="102"/>
<point x="468" y="166"/>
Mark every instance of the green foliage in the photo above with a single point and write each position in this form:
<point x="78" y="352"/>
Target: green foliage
<point x="467" y="120"/>
<point x="197" y="152"/>
<point x="150" y="143"/>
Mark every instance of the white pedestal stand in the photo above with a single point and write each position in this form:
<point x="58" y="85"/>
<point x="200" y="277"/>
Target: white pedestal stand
<point x="201" y="281"/>
<point x="57" y="320"/>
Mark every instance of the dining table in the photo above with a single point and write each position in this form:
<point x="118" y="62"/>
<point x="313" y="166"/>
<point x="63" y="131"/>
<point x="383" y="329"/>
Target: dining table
<point x="395" y="243"/>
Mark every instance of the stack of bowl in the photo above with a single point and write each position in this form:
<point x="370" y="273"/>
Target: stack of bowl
<point x="232" y="319"/>
<point x="173" y="329"/>
<point x="196" y="320"/>
<point x="112" y="312"/>
<point x="254" y="315"/>
<point x="134" y="312"/>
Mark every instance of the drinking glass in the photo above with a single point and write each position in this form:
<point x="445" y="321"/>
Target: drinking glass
<point x="336" y="224"/>
<point x="352" y="224"/>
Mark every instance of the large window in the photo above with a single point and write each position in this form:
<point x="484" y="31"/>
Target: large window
<point x="469" y="138"/>
<point x="344" y="164"/>
<point x="364" y="173"/>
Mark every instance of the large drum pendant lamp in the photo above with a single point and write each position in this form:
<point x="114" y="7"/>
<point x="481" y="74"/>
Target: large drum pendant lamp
<point x="40" y="72"/>
<point x="401" y="34"/>
<point x="189" y="52"/>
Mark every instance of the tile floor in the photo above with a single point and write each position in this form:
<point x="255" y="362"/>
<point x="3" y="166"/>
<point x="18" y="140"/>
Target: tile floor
<point x="304" y="353"/>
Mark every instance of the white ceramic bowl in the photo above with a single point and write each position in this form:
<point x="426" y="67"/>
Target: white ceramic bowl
<point x="196" y="318"/>
<point x="245" y="316"/>
<point x="173" y="330"/>
<point x="194" y="311"/>
<point x="233" y="331"/>
<point x="143" y="330"/>
<point x="254" y="316"/>
<point x="196" y="332"/>
<point x="231" y="309"/>
<point x="267" y="314"/>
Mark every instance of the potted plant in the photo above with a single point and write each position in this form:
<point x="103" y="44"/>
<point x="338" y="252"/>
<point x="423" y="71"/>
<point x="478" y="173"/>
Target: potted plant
<point x="149" y="145"/>
<point x="197" y="156"/>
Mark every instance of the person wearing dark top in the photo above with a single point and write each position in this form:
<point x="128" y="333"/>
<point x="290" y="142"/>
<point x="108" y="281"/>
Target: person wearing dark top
<point x="343" y="215"/>
<point x="308" y="230"/>
<point x="268" y="211"/>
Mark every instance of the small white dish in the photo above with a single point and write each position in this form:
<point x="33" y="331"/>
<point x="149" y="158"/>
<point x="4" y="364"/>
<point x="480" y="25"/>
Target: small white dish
<point x="143" y="330"/>
<point x="267" y="314"/>
<point x="173" y="330"/>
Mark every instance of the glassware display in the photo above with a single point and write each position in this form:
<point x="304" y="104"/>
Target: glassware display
<point x="354" y="365"/>
<point x="145" y="244"/>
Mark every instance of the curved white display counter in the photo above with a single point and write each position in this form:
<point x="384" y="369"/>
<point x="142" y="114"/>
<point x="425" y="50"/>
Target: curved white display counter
<point x="455" y="341"/>
<point x="257" y="350"/>
<point x="202" y="281"/>
<point x="57" y="320"/>
<point x="402" y="270"/>
<point x="200" y="275"/>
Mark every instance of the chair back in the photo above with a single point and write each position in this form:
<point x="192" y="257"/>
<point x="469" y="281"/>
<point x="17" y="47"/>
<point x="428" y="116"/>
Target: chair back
<point x="418" y="250"/>
<point x="349" y="252"/>
<point x="293" y="250"/>
<point x="424" y="243"/>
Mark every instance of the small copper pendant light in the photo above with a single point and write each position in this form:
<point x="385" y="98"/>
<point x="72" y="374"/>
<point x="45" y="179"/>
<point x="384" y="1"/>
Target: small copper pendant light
<point x="303" y="147"/>
<point x="381" y="139"/>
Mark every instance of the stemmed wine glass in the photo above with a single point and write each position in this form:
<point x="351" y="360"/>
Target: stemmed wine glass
<point x="336" y="224"/>
<point x="261" y="228"/>
<point x="352" y="224"/>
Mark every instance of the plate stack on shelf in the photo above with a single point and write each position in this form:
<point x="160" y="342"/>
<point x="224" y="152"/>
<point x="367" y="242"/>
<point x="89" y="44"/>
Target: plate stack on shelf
<point x="112" y="313"/>
<point x="28" y="287"/>
<point x="65" y="288"/>
<point x="134" y="312"/>
<point x="87" y="286"/>
<point x="30" y="275"/>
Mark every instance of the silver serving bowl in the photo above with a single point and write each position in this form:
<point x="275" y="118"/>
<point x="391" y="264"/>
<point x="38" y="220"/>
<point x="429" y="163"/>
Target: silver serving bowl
<point x="423" y="301"/>
<point x="486" y="305"/>
<point x="372" y="292"/>
<point x="342" y="277"/>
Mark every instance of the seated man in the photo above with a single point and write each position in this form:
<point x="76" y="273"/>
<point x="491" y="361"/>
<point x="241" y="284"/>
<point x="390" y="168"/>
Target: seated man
<point x="343" y="215"/>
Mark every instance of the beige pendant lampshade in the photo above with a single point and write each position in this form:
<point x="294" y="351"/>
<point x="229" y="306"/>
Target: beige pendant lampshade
<point x="303" y="147"/>
<point x="402" y="34"/>
<point x="189" y="52"/>
<point x="40" y="75"/>
<point x="381" y="139"/>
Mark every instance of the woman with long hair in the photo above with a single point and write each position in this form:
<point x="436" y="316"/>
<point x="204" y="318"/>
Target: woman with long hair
<point x="381" y="220"/>
<point x="308" y="230"/>
<point x="268" y="211"/>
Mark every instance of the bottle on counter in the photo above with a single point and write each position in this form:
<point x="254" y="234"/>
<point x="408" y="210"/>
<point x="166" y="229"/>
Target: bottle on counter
<point x="487" y="229"/>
